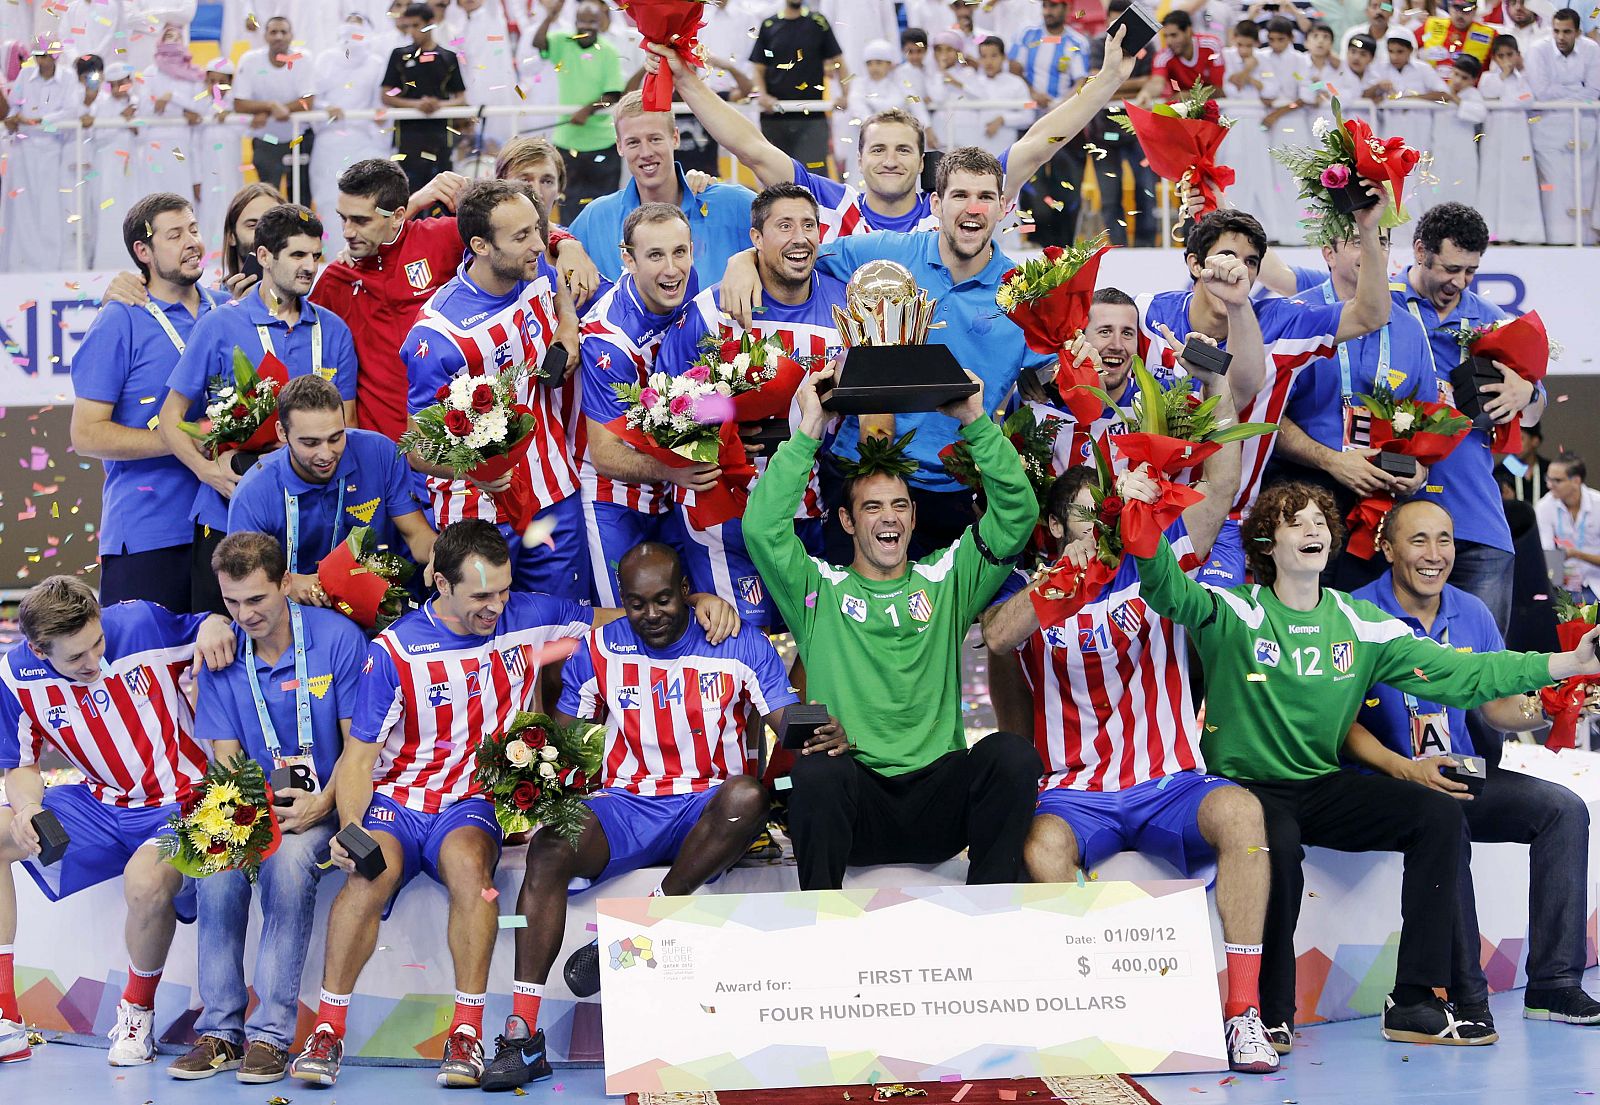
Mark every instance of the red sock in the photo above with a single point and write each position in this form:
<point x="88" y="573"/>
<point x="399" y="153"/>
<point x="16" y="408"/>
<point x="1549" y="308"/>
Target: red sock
<point x="1244" y="977"/>
<point x="141" y="989"/>
<point x="525" y="998"/>
<point x="8" y="987"/>
<point x="331" y="1010"/>
<point x="469" y="1013"/>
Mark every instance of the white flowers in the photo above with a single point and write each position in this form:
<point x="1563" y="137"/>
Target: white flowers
<point x="741" y="362"/>
<point x="518" y="754"/>
<point x="1320" y="127"/>
<point x="548" y="753"/>
<point x="547" y="771"/>
<point x="1403" y="421"/>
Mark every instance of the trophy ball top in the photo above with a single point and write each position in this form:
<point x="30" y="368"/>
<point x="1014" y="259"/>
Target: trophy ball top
<point x="876" y="281"/>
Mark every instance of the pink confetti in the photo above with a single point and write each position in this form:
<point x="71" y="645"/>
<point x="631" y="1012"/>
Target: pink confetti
<point x="811" y="600"/>
<point x="949" y="1078"/>
<point x="417" y="966"/>
<point x="962" y="1092"/>
<point x="1007" y="1095"/>
<point x="490" y="893"/>
<point x="592" y="927"/>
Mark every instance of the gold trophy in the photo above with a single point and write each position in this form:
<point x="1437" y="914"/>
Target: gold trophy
<point x="889" y="366"/>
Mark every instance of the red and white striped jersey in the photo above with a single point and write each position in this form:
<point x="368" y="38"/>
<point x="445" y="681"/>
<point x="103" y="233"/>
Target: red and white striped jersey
<point x="464" y="328"/>
<point x="1112" y="707"/>
<point x="1295" y="333"/>
<point x="675" y="719"/>
<point x="131" y="731"/>
<point x="429" y="695"/>
<point x="843" y="211"/>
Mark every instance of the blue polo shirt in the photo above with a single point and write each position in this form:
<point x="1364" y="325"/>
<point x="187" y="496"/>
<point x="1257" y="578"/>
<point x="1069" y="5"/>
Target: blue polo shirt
<point x="719" y="223"/>
<point x="336" y="650"/>
<point x="210" y="354"/>
<point x="374" y="484"/>
<point x="1465" y="624"/>
<point x="125" y="360"/>
<point x="1463" y="483"/>
<point x="1316" y="403"/>
<point x="982" y="338"/>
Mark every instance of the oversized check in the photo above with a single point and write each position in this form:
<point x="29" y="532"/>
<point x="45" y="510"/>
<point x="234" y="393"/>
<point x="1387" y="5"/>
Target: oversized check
<point x="743" y="991"/>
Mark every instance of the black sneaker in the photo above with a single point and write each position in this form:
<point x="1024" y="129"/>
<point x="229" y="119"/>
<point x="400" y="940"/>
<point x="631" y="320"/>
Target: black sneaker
<point x="1432" y="1022"/>
<point x="518" y="1058"/>
<point x="1477" y="1012"/>
<point x="1281" y="1037"/>
<point x="1568" y="1005"/>
<point x="582" y="972"/>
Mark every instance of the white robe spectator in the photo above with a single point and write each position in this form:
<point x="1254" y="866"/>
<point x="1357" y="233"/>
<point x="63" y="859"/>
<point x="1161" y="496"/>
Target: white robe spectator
<point x="120" y="172"/>
<point x="171" y="89"/>
<point x="1456" y="149"/>
<point x="349" y="77"/>
<point x="220" y="145"/>
<point x="482" y="44"/>
<point x="1408" y="119"/>
<point x="1250" y="159"/>
<point x="1285" y="79"/>
<point x="977" y="126"/>
<point x="39" y="180"/>
<point x="1553" y="75"/>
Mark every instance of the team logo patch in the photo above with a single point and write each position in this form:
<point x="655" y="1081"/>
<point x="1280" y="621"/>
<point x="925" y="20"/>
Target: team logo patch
<point x="715" y="685"/>
<point x="366" y="667"/>
<point x="854" y="608"/>
<point x="919" y="607"/>
<point x="438" y="694"/>
<point x="1128" y="617"/>
<point x="628" y="698"/>
<point x="603" y="362"/>
<point x="418" y="274"/>
<point x="381" y="813"/>
<point x="750" y="590"/>
<point x="502" y="354"/>
<point x="319" y="684"/>
<point x="1343" y="655"/>
<point x="1266" y="652"/>
<point x="56" y="718"/>
<point x="365" y="510"/>
<point x="138" y="680"/>
<point x="513" y="661"/>
<point x="1056" y="637"/>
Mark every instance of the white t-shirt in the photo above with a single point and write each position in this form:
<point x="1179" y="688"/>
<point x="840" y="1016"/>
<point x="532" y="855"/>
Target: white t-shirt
<point x="1559" y="530"/>
<point x="259" y="79"/>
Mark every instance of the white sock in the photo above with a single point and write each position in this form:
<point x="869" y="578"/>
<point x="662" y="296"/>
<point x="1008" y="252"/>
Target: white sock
<point x="658" y="892"/>
<point x="532" y="989"/>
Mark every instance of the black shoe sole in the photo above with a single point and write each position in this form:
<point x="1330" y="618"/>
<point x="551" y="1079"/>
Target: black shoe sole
<point x="1402" y="1036"/>
<point x="491" y="1084"/>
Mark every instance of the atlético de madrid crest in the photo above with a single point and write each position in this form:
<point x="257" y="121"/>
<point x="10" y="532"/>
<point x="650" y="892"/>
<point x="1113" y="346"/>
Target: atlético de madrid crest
<point x="419" y="275"/>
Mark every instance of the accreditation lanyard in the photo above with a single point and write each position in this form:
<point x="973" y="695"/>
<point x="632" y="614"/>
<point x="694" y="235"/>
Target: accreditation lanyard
<point x="291" y="516"/>
<point x="1343" y="349"/>
<point x="1579" y="528"/>
<point x="265" y="334"/>
<point x="1411" y="699"/>
<point x="302" y="691"/>
<point x="166" y="323"/>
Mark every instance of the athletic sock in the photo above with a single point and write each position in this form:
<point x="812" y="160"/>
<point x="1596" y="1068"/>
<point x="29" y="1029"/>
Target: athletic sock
<point x="1244" y="975"/>
<point x="8" y="986"/>
<point x="1407" y="994"/>
<point x="469" y="1013"/>
<point x="141" y="988"/>
<point x="525" y="999"/>
<point x="331" y="1011"/>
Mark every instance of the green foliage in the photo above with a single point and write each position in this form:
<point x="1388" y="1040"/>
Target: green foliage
<point x="880" y="456"/>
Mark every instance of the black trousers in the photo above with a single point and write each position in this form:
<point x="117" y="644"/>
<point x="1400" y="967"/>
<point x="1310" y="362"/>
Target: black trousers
<point x="420" y="169"/>
<point x="155" y="575"/>
<point x="802" y="135"/>
<point x="590" y="175"/>
<point x="1362" y="813"/>
<point x="273" y="163"/>
<point x="941" y="516"/>
<point x="204" y="593"/>
<point x="980" y="798"/>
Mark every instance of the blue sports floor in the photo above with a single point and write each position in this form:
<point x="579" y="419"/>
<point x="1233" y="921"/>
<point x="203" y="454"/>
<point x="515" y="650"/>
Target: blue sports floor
<point x="1337" y="1064"/>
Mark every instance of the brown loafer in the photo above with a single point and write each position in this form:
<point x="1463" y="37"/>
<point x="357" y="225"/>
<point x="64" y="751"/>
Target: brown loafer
<point x="263" y="1063"/>
<point x="210" y="1055"/>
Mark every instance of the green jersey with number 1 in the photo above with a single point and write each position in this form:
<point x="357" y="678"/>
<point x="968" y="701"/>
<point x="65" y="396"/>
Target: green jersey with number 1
<point x="1283" y="686"/>
<point x="885" y="655"/>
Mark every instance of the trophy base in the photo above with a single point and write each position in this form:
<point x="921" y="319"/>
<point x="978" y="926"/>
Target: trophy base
<point x="897" y="379"/>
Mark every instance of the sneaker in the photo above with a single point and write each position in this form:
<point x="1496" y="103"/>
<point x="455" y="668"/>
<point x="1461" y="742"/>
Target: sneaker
<point x="210" y="1055"/>
<point x="582" y="972"/>
<point x="14" y="1046"/>
<point x="263" y="1063"/>
<point x="1281" y="1037"/>
<point x="318" y="1062"/>
<point x="462" y="1067"/>
<point x="1477" y="1012"/>
<point x="1249" y="1050"/>
<point x="1432" y="1022"/>
<point x="132" y="1041"/>
<point x="1568" y="1005"/>
<point x="518" y="1058"/>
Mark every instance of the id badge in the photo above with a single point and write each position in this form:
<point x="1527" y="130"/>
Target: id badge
<point x="1357" y="426"/>
<point x="303" y="762"/>
<point x="326" y="373"/>
<point x="1430" y="735"/>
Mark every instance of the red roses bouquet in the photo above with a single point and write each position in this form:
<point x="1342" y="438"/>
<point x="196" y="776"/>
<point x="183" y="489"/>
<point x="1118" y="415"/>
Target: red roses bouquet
<point x="1331" y="176"/>
<point x="758" y="376"/>
<point x="1180" y="140"/>
<point x="1427" y="431"/>
<point x="674" y="24"/>
<point x="480" y="429"/>
<point x="1034" y="440"/>
<point x="1049" y="298"/>
<point x="1064" y="588"/>
<point x="225" y="825"/>
<point x="1564" y="701"/>
<point x="536" y="771"/>
<point x="242" y="412"/>
<point x="1522" y="345"/>
<point x="366" y="584"/>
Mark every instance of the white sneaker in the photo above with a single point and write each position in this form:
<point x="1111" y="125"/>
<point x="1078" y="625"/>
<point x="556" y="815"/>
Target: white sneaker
<point x="132" y="1041"/>
<point x="13" y="1041"/>
<point x="1249" y="1049"/>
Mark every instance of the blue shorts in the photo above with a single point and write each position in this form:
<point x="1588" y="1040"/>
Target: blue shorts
<point x="1225" y="566"/>
<point x="612" y="531"/>
<point x="102" y="839"/>
<point x="1160" y="818"/>
<point x="645" y="831"/>
<point x="562" y="571"/>
<point x="421" y="835"/>
<point x="719" y="565"/>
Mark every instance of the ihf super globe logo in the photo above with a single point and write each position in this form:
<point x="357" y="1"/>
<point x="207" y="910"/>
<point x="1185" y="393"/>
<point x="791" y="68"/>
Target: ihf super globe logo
<point x="633" y="950"/>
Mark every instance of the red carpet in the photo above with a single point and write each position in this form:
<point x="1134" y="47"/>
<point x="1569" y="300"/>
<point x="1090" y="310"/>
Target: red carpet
<point x="1108" y="1089"/>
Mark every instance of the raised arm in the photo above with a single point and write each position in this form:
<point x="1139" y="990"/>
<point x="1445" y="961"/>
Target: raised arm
<point x="1167" y="591"/>
<point x="1369" y="308"/>
<point x="724" y="122"/>
<point x="1220" y="475"/>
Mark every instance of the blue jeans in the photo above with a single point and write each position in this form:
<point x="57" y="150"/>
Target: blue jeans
<point x="1519" y="809"/>
<point x="288" y="886"/>
<point x="1485" y="571"/>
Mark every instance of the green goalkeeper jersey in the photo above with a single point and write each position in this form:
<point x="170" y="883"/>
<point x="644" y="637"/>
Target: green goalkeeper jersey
<point x="1283" y="686"/>
<point x="885" y="656"/>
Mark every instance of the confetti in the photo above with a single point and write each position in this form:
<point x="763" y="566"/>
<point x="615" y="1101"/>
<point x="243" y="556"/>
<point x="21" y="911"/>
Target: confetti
<point x="782" y="783"/>
<point x="962" y="1092"/>
<point x="490" y="893"/>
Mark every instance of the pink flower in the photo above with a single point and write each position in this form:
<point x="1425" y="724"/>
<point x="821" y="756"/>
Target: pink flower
<point x="649" y="397"/>
<point x="1335" y="176"/>
<point x="699" y="374"/>
<point x="680" y="404"/>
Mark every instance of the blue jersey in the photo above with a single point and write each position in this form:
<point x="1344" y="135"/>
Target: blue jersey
<point x="843" y="210"/>
<point x="1051" y="63"/>
<point x="371" y="486"/>
<point x="1462" y="623"/>
<point x="246" y="324"/>
<point x="335" y="651"/>
<point x="719" y="221"/>
<point x="125" y="360"/>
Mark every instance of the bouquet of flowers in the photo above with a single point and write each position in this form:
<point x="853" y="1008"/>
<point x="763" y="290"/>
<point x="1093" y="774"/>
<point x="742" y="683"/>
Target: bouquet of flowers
<point x="1180" y="140"/>
<point x="536" y="771"/>
<point x="1564" y="702"/>
<point x="761" y="375"/>
<point x="672" y="23"/>
<point x="1428" y="431"/>
<point x="684" y="420"/>
<point x="479" y="428"/>
<point x="1332" y="173"/>
<point x="1064" y="588"/>
<point x="365" y="583"/>
<point x="225" y="825"/>
<point x="241" y="413"/>
<point x="1522" y="345"/>
<point x="1034" y="440"/>
<point x="1049" y="298"/>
